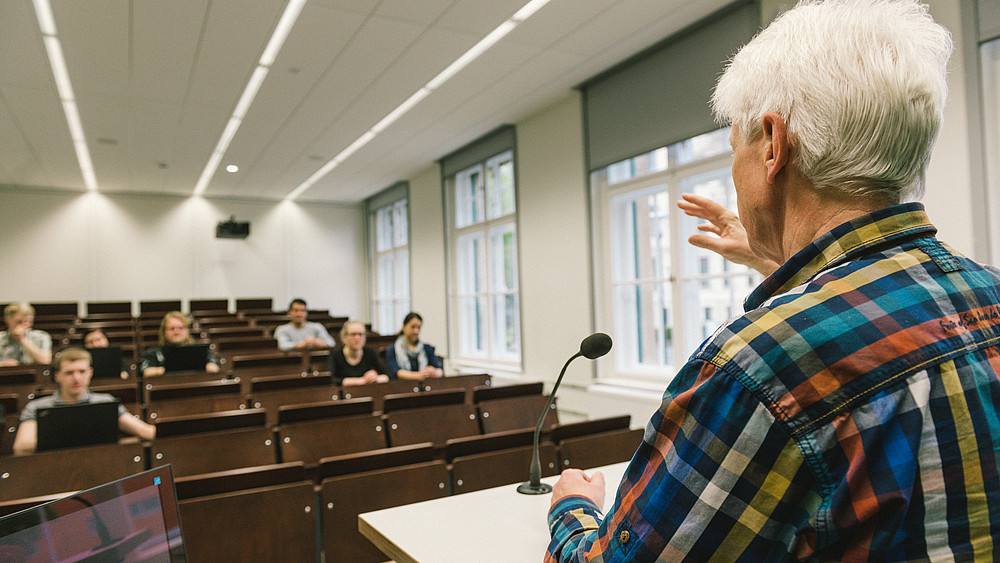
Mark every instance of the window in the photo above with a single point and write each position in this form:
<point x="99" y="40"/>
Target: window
<point x="662" y="295"/>
<point x="485" y="317"/>
<point x="391" y="264"/>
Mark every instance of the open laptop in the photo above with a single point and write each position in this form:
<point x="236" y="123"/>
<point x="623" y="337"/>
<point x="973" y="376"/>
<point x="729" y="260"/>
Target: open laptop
<point x="70" y="426"/>
<point x="185" y="357"/>
<point x="107" y="362"/>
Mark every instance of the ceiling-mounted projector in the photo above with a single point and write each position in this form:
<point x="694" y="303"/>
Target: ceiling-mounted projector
<point x="232" y="229"/>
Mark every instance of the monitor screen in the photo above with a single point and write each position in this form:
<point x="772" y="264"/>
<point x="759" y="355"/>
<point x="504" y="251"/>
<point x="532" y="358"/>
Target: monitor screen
<point x="185" y="357"/>
<point x="75" y="425"/>
<point x="132" y="519"/>
<point x="107" y="362"/>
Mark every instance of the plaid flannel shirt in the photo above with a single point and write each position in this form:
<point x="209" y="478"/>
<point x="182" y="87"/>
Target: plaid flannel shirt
<point x="852" y="413"/>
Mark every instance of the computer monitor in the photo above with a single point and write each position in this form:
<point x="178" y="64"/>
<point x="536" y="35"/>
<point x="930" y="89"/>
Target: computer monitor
<point x="185" y="357"/>
<point x="71" y="426"/>
<point x="132" y="519"/>
<point x="107" y="362"/>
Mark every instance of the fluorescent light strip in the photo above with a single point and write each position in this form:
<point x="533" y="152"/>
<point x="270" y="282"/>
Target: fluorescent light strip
<point x="53" y="48"/>
<point x="274" y="45"/>
<point x="451" y="70"/>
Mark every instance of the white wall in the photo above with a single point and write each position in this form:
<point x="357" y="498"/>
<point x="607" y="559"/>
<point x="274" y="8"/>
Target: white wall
<point x="70" y="246"/>
<point x="427" y="258"/>
<point x="554" y="246"/>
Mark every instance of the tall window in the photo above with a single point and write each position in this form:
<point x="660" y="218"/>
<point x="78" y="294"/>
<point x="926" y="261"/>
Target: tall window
<point x="391" y="265"/>
<point x="483" y="233"/>
<point x="662" y="295"/>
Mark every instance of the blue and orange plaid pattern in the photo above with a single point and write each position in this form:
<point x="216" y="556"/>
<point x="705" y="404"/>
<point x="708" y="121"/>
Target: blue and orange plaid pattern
<point x="852" y="413"/>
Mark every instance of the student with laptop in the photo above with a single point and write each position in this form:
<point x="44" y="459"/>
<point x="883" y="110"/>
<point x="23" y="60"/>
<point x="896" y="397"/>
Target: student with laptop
<point x="175" y="350"/>
<point x="104" y="356"/>
<point x="72" y="374"/>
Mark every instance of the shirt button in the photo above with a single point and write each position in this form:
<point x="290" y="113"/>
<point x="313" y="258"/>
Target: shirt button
<point x="624" y="537"/>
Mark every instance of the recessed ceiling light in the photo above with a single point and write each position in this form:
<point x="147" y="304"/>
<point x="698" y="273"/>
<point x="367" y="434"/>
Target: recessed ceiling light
<point x="232" y="168"/>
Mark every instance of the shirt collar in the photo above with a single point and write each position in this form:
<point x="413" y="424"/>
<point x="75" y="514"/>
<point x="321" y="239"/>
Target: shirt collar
<point x="853" y="238"/>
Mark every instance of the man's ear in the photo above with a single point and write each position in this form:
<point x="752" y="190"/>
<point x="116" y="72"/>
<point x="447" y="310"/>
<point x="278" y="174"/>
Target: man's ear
<point x="777" y="149"/>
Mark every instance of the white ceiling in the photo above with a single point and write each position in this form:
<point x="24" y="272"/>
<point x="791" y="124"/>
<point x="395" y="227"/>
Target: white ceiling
<point x="156" y="82"/>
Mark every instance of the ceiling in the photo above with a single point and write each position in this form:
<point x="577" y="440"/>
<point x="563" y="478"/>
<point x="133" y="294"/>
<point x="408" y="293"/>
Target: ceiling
<point x="156" y="82"/>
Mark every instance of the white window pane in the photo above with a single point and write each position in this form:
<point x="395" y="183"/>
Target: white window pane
<point x="643" y="325"/>
<point x="383" y="229"/>
<point x="384" y="318"/>
<point x="402" y="285"/>
<point x="469" y="197"/>
<point x="400" y="233"/>
<point x="506" y="333"/>
<point x="500" y="186"/>
<point x="703" y="146"/>
<point x="503" y="259"/>
<point x="470" y="259"/>
<point x="641" y="234"/>
<point x="402" y="307"/>
<point x="386" y="267"/>
<point x="472" y="326"/>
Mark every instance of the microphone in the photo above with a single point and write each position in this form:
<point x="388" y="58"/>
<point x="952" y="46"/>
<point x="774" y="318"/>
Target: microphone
<point x="592" y="347"/>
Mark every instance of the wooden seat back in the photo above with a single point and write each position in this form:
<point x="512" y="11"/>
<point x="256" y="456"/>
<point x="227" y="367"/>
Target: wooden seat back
<point x="67" y="470"/>
<point x="343" y="497"/>
<point x="595" y="450"/>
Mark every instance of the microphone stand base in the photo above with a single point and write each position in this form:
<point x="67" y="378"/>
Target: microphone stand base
<point x="529" y="489"/>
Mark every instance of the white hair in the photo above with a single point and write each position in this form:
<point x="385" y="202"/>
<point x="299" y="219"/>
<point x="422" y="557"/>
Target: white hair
<point x="861" y="85"/>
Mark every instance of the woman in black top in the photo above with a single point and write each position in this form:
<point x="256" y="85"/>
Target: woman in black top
<point x="353" y="363"/>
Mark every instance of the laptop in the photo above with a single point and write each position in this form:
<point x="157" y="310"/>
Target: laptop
<point x="185" y="357"/>
<point x="70" y="426"/>
<point x="107" y="362"/>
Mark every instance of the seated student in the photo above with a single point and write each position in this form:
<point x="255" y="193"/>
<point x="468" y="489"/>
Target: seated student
<point x="300" y="333"/>
<point x="21" y="344"/>
<point x="174" y="330"/>
<point x="353" y="363"/>
<point x="72" y="374"/>
<point x="97" y="339"/>
<point x="409" y="357"/>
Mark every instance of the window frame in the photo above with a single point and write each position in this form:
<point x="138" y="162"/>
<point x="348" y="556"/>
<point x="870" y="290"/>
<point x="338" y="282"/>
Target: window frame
<point x="481" y="299"/>
<point x="670" y="178"/>
<point x="389" y="297"/>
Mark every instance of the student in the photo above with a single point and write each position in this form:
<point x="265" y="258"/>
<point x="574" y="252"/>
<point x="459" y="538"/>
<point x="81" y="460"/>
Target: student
<point x="175" y="329"/>
<point x="851" y="413"/>
<point x="300" y="333"/>
<point x="97" y="339"/>
<point x="21" y="344"/>
<point x="353" y="363"/>
<point x="72" y="373"/>
<point x="408" y="356"/>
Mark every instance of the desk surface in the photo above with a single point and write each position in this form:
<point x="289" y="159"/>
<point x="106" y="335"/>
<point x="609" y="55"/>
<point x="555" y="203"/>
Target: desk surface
<point x="464" y="527"/>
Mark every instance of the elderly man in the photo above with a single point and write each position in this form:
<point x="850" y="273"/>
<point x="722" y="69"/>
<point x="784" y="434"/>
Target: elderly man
<point x="851" y="412"/>
<point x="72" y="370"/>
<point x="21" y="344"/>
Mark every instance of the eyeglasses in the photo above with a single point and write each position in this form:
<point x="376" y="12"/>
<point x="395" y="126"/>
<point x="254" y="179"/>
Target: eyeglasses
<point x="355" y="334"/>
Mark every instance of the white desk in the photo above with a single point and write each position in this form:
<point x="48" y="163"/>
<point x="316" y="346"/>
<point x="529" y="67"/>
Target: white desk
<point x="469" y="526"/>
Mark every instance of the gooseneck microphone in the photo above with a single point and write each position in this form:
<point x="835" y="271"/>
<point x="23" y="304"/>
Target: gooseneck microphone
<point x="592" y="347"/>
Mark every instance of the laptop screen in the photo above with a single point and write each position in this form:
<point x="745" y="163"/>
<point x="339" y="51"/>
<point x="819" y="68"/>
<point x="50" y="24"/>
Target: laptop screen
<point x="107" y="362"/>
<point x="70" y="426"/>
<point x="132" y="519"/>
<point x="185" y="357"/>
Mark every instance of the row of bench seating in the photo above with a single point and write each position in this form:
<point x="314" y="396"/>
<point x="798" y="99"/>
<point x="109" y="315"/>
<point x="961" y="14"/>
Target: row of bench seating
<point x="272" y="512"/>
<point x="324" y="463"/>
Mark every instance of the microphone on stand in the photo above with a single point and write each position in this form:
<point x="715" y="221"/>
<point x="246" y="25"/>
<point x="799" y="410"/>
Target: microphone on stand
<point x="592" y="347"/>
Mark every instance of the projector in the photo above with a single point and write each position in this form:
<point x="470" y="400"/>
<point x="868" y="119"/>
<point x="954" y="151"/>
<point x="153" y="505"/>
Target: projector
<point x="232" y="229"/>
